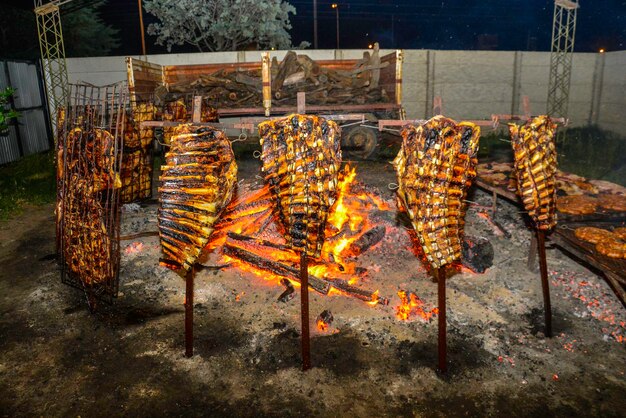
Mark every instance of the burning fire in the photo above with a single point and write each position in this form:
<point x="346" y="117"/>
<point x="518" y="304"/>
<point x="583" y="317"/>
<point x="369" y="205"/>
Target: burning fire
<point x="248" y="225"/>
<point x="410" y="305"/>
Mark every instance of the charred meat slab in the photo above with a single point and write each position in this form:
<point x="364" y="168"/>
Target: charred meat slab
<point x="435" y="167"/>
<point x="197" y="183"/>
<point x="301" y="160"/>
<point x="535" y="166"/>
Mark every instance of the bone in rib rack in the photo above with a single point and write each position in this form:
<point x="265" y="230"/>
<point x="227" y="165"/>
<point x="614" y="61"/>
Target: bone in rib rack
<point x="197" y="183"/>
<point x="435" y="166"/>
<point x="535" y="167"/>
<point x="301" y="159"/>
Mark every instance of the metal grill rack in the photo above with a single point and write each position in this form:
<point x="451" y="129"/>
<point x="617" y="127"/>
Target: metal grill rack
<point x="89" y="156"/>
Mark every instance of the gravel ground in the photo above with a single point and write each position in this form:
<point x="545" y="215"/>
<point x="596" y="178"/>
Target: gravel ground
<point x="57" y="359"/>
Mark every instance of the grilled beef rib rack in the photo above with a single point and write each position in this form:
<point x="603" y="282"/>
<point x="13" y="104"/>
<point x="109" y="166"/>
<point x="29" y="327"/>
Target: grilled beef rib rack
<point x="301" y="160"/>
<point x="197" y="183"/>
<point x="535" y="165"/>
<point x="435" y="166"/>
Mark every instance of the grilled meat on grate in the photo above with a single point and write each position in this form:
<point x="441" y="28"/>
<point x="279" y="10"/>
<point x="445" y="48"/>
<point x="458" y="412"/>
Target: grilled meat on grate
<point x="197" y="183"/>
<point x="301" y="160"/>
<point x="435" y="166"/>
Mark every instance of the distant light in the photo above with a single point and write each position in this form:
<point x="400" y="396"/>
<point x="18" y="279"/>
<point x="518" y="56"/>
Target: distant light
<point x="601" y="50"/>
<point x="334" y="5"/>
<point x="370" y="46"/>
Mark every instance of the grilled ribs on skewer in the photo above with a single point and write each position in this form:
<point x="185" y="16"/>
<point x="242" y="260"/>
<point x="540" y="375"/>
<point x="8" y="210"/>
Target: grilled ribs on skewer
<point x="535" y="165"/>
<point x="197" y="183"/>
<point x="435" y="166"/>
<point x="301" y="160"/>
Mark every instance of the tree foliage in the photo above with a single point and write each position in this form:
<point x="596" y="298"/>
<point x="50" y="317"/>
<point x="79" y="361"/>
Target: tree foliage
<point x="84" y="33"/>
<point x="221" y="25"/>
<point x="6" y="112"/>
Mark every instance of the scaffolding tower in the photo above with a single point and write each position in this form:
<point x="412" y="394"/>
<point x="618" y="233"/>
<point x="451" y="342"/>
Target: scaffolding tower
<point x="52" y="56"/>
<point x="563" y="34"/>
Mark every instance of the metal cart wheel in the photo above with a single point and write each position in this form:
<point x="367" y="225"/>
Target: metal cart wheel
<point x="359" y="142"/>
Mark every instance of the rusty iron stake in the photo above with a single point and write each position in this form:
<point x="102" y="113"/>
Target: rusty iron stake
<point x="543" y="266"/>
<point x="189" y="311"/>
<point x="304" y="311"/>
<point x="441" y="293"/>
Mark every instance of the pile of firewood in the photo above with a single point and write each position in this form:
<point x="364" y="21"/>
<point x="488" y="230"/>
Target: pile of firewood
<point x="295" y="73"/>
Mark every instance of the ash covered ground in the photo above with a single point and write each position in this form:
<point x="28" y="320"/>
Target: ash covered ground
<point x="57" y="359"/>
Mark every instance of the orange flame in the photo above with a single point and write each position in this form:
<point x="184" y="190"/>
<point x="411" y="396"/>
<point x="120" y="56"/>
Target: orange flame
<point x="321" y="325"/>
<point x="411" y="304"/>
<point x="251" y="211"/>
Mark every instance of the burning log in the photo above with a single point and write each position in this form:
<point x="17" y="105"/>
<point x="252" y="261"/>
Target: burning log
<point x="367" y="240"/>
<point x="259" y="241"/>
<point x="318" y="284"/>
<point x="275" y="267"/>
<point x="362" y="294"/>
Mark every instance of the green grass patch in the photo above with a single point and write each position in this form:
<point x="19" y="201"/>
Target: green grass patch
<point x="30" y="180"/>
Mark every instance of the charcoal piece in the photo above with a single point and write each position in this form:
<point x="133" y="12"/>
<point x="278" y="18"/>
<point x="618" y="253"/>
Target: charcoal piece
<point x="289" y="292"/>
<point x="477" y="253"/>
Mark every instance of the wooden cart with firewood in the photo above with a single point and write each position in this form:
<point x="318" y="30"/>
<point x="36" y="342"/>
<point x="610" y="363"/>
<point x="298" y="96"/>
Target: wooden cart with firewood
<point x="355" y="93"/>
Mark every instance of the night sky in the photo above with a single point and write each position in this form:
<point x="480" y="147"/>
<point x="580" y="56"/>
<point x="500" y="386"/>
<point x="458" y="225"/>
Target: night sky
<point x="428" y="24"/>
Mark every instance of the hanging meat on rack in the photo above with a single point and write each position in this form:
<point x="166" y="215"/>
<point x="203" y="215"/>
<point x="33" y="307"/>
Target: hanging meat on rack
<point x="535" y="166"/>
<point x="301" y="160"/>
<point x="91" y="175"/>
<point x="197" y="183"/>
<point x="435" y="166"/>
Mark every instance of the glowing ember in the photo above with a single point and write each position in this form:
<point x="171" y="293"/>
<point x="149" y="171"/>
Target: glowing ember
<point x="411" y="305"/>
<point x="324" y="320"/>
<point x="133" y="248"/>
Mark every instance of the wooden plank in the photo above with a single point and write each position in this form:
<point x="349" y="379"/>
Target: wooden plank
<point x="301" y="100"/>
<point x="500" y="191"/>
<point x="197" y="109"/>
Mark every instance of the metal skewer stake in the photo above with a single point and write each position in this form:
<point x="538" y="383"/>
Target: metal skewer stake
<point x="189" y="278"/>
<point x="304" y="311"/>
<point x="441" y="294"/>
<point x="543" y="266"/>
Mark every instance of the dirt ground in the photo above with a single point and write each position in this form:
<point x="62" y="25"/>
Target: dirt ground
<point x="58" y="359"/>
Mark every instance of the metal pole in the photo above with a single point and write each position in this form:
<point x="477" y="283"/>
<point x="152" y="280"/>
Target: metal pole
<point x="543" y="265"/>
<point x="337" y="18"/>
<point x="314" y="24"/>
<point x="304" y="311"/>
<point x="143" y="37"/>
<point x="441" y="294"/>
<point x="189" y="277"/>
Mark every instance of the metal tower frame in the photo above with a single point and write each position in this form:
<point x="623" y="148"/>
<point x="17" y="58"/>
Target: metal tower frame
<point x="52" y="56"/>
<point x="563" y="34"/>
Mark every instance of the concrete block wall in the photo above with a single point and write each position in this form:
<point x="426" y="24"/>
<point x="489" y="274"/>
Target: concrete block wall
<point x="612" y="98"/>
<point x="472" y="84"/>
